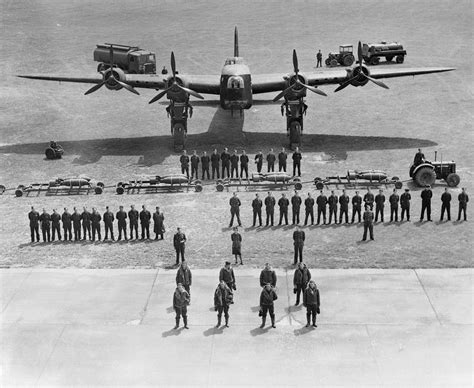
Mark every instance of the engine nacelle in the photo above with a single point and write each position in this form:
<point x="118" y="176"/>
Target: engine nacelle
<point x="110" y="83"/>
<point x="359" y="80"/>
<point x="176" y="93"/>
<point x="298" y="91"/>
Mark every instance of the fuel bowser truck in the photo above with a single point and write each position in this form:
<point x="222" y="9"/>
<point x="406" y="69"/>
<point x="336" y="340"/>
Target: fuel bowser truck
<point x="130" y="59"/>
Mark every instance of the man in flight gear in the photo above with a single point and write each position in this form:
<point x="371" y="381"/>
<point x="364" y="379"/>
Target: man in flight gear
<point x="282" y="156"/>
<point x="321" y="201"/>
<point x="297" y="161"/>
<point x="86" y="223"/>
<point x="225" y="160"/>
<point x="194" y="165"/>
<point x="76" y="224"/>
<point x="234" y="164"/>
<point x="446" y="204"/>
<point x="379" y="205"/>
<point x="463" y="199"/>
<point x="405" y="204"/>
<point x="180" y="304"/>
<point x="295" y="207"/>
<point x="271" y="161"/>
<point x="257" y="210"/>
<point x="283" y="203"/>
<point x="312" y="303"/>
<point x="267" y="297"/>
<point x="145" y="217"/>
<point x="205" y="159"/>
<point x="332" y="202"/>
<point x="344" y="207"/>
<point x="223" y="298"/>
<point x="244" y="165"/>
<point x="309" y="212"/>
<point x="394" y="199"/>
<point x="426" y="196"/>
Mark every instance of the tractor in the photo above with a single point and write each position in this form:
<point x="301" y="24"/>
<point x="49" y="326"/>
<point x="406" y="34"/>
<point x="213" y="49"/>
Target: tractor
<point x="344" y="57"/>
<point x="54" y="151"/>
<point x="427" y="172"/>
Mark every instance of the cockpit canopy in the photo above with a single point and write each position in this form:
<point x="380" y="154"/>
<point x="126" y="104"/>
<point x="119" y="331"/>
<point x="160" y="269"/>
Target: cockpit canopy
<point x="234" y="61"/>
<point x="235" y="82"/>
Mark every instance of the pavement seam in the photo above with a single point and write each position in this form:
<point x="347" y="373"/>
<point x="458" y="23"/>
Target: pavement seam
<point x="50" y="354"/>
<point x="290" y="318"/>
<point x="427" y="297"/>
<point x="374" y="354"/>
<point x="18" y="289"/>
<point x="145" y="308"/>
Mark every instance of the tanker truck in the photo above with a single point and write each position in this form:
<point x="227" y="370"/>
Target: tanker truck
<point x="130" y="59"/>
<point x="372" y="52"/>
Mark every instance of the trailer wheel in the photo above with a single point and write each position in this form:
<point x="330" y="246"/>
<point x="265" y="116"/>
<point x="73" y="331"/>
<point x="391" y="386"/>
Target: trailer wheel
<point x="198" y="188"/>
<point x="425" y="176"/>
<point x="50" y="154"/>
<point x="374" y="61"/>
<point x="298" y="186"/>
<point x="100" y="184"/>
<point x="395" y="178"/>
<point x="220" y="187"/>
<point x="319" y="185"/>
<point x="98" y="190"/>
<point x="398" y="185"/>
<point x="2" y="189"/>
<point x="219" y="181"/>
<point x="453" y="180"/>
<point x="197" y="182"/>
<point x="19" y="192"/>
<point x="389" y="58"/>
<point x="120" y="190"/>
<point x="400" y="58"/>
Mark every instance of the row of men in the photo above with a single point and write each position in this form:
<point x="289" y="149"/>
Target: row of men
<point x="224" y="294"/>
<point x="229" y="163"/>
<point x="332" y="201"/>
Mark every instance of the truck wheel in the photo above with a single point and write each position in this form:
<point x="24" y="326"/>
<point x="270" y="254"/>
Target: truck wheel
<point x="348" y="60"/>
<point x="400" y="58"/>
<point x="453" y="180"/>
<point x="50" y="154"/>
<point x="389" y="58"/>
<point x="425" y="176"/>
<point x="332" y="63"/>
<point x="374" y="61"/>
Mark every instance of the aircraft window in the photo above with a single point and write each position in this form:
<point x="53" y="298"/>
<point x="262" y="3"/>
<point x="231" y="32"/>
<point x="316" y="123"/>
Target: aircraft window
<point x="235" y="83"/>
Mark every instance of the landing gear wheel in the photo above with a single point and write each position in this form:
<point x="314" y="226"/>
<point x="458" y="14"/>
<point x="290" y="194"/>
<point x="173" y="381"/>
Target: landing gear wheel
<point x="425" y="176"/>
<point x="374" y="61"/>
<point x="400" y="59"/>
<point x="453" y="180"/>
<point x="179" y="137"/>
<point x="348" y="60"/>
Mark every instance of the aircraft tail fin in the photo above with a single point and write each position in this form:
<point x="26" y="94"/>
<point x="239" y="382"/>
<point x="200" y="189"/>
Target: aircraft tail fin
<point x="236" y="42"/>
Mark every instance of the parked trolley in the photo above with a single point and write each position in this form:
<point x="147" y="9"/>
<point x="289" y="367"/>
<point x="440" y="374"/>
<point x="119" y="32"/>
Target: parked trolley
<point x="60" y="186"/>
<point x="355" y="178"/>
<point x="270" y="181"/>
<point x="157" y="184"/>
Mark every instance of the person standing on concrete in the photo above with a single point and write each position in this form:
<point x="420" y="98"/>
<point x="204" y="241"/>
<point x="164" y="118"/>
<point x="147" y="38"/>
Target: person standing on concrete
<point x="223" y="298"/>
<point x="67" y="225"/>
<point x="282" y="156"/>
<point x="344" y="207"/>
<point x="227" y="276"/>
<point x="309" y="209"/>
<point x="379" y="205"/>
<point x="215" y="159"/>
<point x="244" y="165"/>
<point x="298" y="242"/>
<point x="259" y="161"/>
<point x="271" y="158"/>
<point x="180" y="304"/>
<point x="332" y="201"/>
<point x="463" y="199"/>
<point x="267" y="298"/>
<point x="45" y="220"/>
<point x="356" y="206"/>
<point x="283" y="203"/>
<point x="179" y="241"/>
<point x="321" y="201"/>
<point x="133" y="220"/>
<point x="225" y="160"/>
<point x="297" y="161"/>
<point x="184" y="161"/>
<point x="86" y="223"/>
<point x="108" y="222"/>
<point x="295" y="207"/>
<point x="312" y="303"/>
<point x="122" y="223"/>
<point x="95" y="221"/>
<point x="159" y="224"/>
<point x="194" y="165"/>
<point x="55" y="221"/>
<point x="270" y="208"/>
<point x="234" y="203"/>
<point x="394" y="199"/>
<point x="426" y="196"/>
<point x="205" y="160"/>
<point x="76" y="224"/>
<point x="33" y="216"/>
<point x="368" y="223"/>
<point x="184" y="277"/>
<point x="257" y="210"/>
<point x="319" y="59"/>
<point x="234" y="164"/>
<point x="268" y="275"/>
<point x="300" y="281"/>
<point x="445" y="204"/>
<point x="405" y="199"/>
<point x="236" y="238"/>
<point x="145" y="217"/>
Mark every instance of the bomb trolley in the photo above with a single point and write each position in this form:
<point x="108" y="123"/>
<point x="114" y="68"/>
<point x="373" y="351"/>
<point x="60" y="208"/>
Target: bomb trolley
<point x="356" y="179"/>
<point x="270" y="181"/>
<point x="159" y="184"/>
<point x="68" y="186"/>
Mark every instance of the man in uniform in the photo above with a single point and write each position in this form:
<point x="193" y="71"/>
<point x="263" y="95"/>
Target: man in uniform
<point x="158" y="223"/>
<point x="67" y="225"/>
<point x="356" y="205"/>
<point x="309" y="212"/>
<point x="298" y="242"/>
<point x="369" y="199"/>
<point x="300" y="281"/>
<point x="227" y="276"/>
<point x="295" y="207"/>
<point x="33" y="216"/>
<point x="95" y="220"/>
<point x="76" y="224"/>
<point x="379" y="205"/>
<point x="419" y="158"/>
<point x="271" y="161"/>
<point x="234" y="203"/>
<point x="267" y="297"/>
<point x="133" y="220"/>
<point x="463" y="199"/>
<point x="194" y="165"/>
<point x="164" y="71"/>
<point x="179" y="241"/>
<point x="184" y="277"/>
<point x="55" y="221"/>
<point x="244" y="165"/>
<point x="332" y="202"/>
<point x="445" y="204"/>
<point x="215" y="159"/>
<point x="319" y="59"/>
<point x="122" y="223"/>
<point x="45" y="220"/>
<point x="268" y="276"/>
<point x="234" y="164"/>
<point x="312" y="302"/>
<point x="283" y="203"/>
<point x="426" y="196"/>
<point x="86" y="223"/>
<point x="223" y="298"/>
<point x="145" y="217"/>
<point x="108" y="218"/>
<point x="270" y="208"/>
<point x="225" y="160"/>
<point x="184" y="160"/>
<point x="257" y="210"/>
<point x="321" y="201"/>
<point x="282" y="156"/>
<point x="405" y="204"/>
<point x="205" y="165"/>
<point x="297" y="161"/>
<point x="394" y="199"/>
<point x="259" y="161"/>
<point x="180" y="304"/>
<point x="368" y="223"/>
<point x="344" y="207"/>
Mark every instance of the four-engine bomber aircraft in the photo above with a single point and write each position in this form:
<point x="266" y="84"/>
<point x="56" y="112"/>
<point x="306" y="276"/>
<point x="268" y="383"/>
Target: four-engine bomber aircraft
<point x="236" y="87"/>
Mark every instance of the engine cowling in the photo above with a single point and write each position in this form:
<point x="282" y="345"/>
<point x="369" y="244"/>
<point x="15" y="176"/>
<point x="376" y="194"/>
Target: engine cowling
<point x="298" y="90"/>
<point x="110" y="82"/>
<point x="357" y="78"/>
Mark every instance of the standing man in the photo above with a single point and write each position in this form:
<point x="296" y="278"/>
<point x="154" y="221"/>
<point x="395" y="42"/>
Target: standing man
<point x="236" y="239"/>
<point x="332" y="201"/>
<point x="321" y="201"/>
<point x="194" y="165"/>
<point x="379" y="205"/>
<point x="184" y="277"/>
<point x="267" y="297"/>
<point x="223" y="298"/>
<point x="426" y="196"/>
<point x="394" y="200"/>
<point x="45" y="220"/>
<point x="86" y="223"/>
<point x="180" y="304"/>
<point x="270" y="208"/>
<point x="257" y="210"/>
<point x="295" y="207"/>
<point x="225" y="160"/>
<point x="179" y="241"/>
<point x="319" y="59"/>
<point x="234" y="164"/>
<point x="419" y="158"/>
<point x="145" y="217"/>
<point x="215" y="159"/>
<point x="368" y="223"/>
<point x="234" y="203"/>
<point x="55" y="220"/>
<point x="282" y="156"/>
<point x="445" y="204"/>
<point x="344" y="207"/>
<point x="244" y="165"/>
<point x="405" y="204"/>
<point x="283" y="203"/>
<point x="66" y="219"/>
<point x="184" y="160"/>
<point x="33" y="216"/>
<point x="297" y="161"/>
<point x="133" y="220"/>
<point x="356" y="206"/>
<point x="108" y="222"/>
<point x="158" y="222"/>
<point x="463" y="199"/>
<point x="76" y="224"/>
<point x="205" y="159"/>
<point x="312" y="302"/>
<point x="268" y="276"/>
<point x="369" y="199"/>
<point x="122" y="223"/>
<point x="309" y="212"/>
<point x="300" y="281"/>
<point x="271" y="161"/>
<point x="227" y="276"/>
<point x="298" y="242"/>
<point x="259" y="161"/>
<point x="95" y="221"/>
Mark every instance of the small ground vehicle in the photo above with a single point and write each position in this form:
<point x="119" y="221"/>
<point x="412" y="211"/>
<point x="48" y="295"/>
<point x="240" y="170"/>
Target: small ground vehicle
<point x="158" y="184"/>
<point x="130" y="59"/>
<point x="427" y="172"/>
<point x="54" y="151"/>
<point x="372" y="52"/>
<point x="60" y="186"/>
<point x="344" y="57"/>
<point x="268" y="181"/>
<point x="356" y="178"/>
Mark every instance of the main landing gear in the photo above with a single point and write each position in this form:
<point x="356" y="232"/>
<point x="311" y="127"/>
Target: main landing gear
<point x="179" y="112"/>
<point x="294" y="111"/>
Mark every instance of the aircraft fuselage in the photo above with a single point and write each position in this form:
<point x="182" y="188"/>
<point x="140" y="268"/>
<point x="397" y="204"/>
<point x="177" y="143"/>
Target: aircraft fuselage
<point x="235" y="85"/>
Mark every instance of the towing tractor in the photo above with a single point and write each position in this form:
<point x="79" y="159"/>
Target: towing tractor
<point x="372" y="52"/>
<point x="427" y="172"/>
<point x="344" y="57"/>
<point x="131" y="59"/>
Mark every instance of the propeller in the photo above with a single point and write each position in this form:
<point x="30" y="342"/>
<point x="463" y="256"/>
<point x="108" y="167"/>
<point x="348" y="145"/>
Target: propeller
<point x="298" y="82"/>
<point x="111" y="78"/>
<point x="360" y="73"/>
<point x="175" y="84"/>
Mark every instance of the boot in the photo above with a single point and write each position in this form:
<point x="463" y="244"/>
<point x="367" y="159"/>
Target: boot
<point x="308" y="324"/>
<point x="227" y="322"/>
<point x="263" y="322"/>
<point x="218" y="321"/>
<point x="177" y="323"/>
<point x="185" y="320"/>
<point x="314" y="323"/>
<point x="273" y="322"/>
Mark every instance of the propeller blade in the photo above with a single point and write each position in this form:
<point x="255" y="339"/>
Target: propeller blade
<point x="191" y="92"/>
<point x="377" y="82"/>
<point x="94" y="88"/>
<point x="295" y="62"/>
<point x="359" y="53"/>
<point x="314" y="90"/>
<point x="283" y="93"/>
<point x="158" y="96"/>
<point x="342" y="86"/>
<point x="173" y="65"/>
<point x="127" y="86"/>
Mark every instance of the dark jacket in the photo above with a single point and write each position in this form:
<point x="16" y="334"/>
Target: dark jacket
<point x="184" y="160"/>
<point x="270" y="202"/>
<point x="283" y="203"/>
<point x="296" y="201"/>
<point x="369" y="199"/>
<point x="225" y="158"/>
<point x="121" y="217"/>
<point x="234" y="202"/>
<point x="96" y="218"/>
<point x="76" y="219"/>
<point x="357" y="201"/>
<point x="66" y="218"/>
<point x="223" y="296"/>
<point x="133" y="217"/>
<point x="179" y="239"/>
<point x="268" y="276"/>
<point x="311" y="297"/>
<point x="227" y="275"/>
<point x="108" y="218"/>
<point x="234" y="160"/>
<point x="298" y="238"/>
<point x="194" y="160"/>
<point x="55" y="218"/>
<point x="145" y="217"/>
<point x="257" y="204"/>
<point x="301" y="277"/>
<point x="463" y="199"/>
<point x="34" y="218"/>
<point x="394" y="199"/>
<point x="271" y="158"/>
<point x="344" y="201"/>
<point x="332" y="201"/>
<point x="244" y="160"/>
<point x="296" y="157"/>
<point x="379" y="200"/>
<point x="405" y="200"/>
<point x="45" y="220"/>
<point x="426" y="195"/>
<point x="321" y="201"/>
<point x="184" y="276"/>
<point x="446" y="198"/>
<point x="180" y="299"/>
<point x="215" y="158"/>
<point x="205" y="161"/>
<point x="309" y="203"/>
<point x="86" y="218"/>
<point x="267" y="297"/>
<point x="368" y="217"/>
<point x="282" y="156"/>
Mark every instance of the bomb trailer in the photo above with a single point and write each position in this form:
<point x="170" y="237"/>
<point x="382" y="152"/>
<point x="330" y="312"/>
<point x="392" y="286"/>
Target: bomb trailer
<point x="355" y="179"/>
<point x="269" y="181"/>
<point x="59" y="186"/>
<point x="164" y="184"/>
